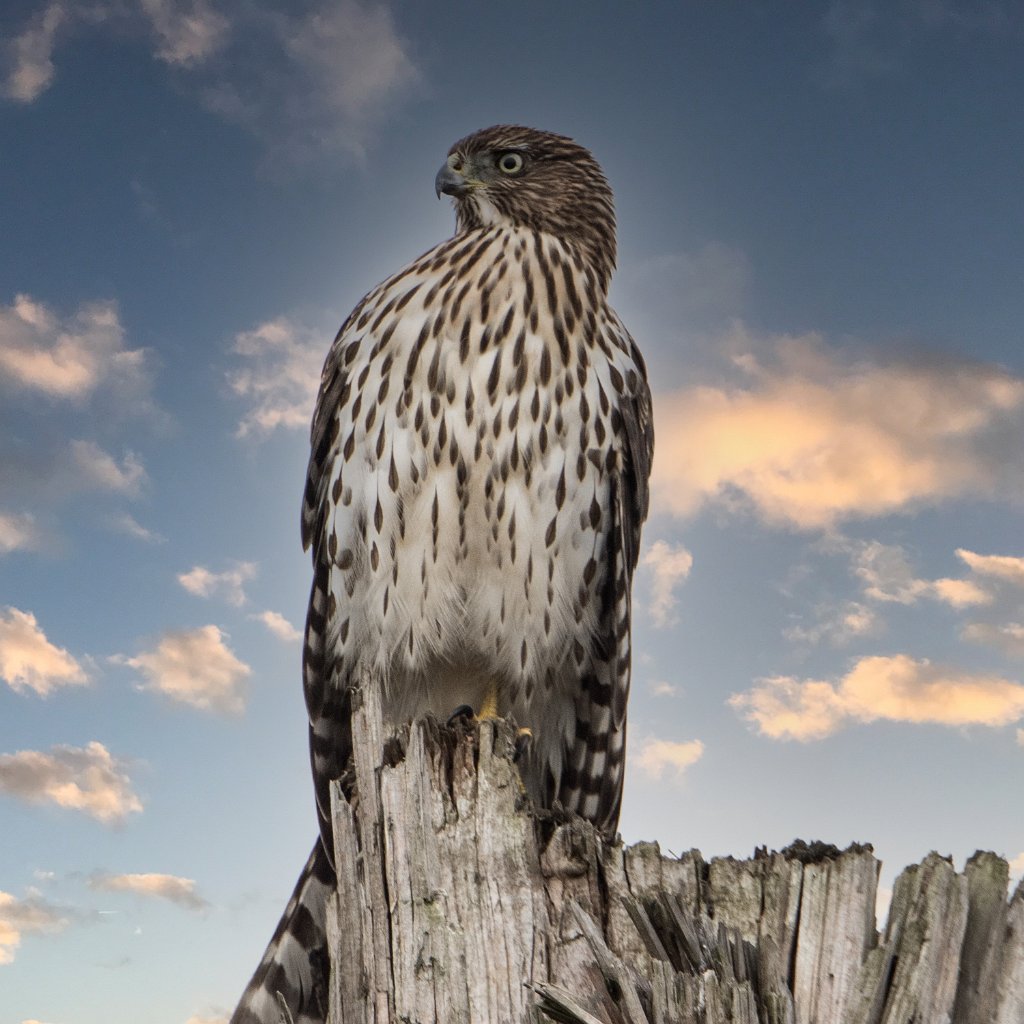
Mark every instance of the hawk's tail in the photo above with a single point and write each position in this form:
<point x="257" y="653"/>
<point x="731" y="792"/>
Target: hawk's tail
<point x="295" y="964"/>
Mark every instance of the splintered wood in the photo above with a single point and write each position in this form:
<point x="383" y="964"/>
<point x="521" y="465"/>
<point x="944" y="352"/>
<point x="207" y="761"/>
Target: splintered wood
<point x="458" y="904"/>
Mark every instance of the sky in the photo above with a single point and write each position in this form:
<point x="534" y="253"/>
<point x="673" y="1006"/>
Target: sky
<point x="821" y="254"/>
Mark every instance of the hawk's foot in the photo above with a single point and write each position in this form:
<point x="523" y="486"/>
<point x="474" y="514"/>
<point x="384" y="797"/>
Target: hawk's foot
<point x="462" y="712"/>
<point x="524" y="743"/>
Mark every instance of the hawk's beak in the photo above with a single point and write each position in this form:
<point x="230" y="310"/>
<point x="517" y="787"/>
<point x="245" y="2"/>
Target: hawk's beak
<point x="450" y="182"/>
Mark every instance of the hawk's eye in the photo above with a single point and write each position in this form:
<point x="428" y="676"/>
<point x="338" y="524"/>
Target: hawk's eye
<point x="455" y="162"/>
<point x="510" y="163"/>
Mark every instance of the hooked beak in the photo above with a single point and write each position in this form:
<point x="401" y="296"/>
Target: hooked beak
<point x="450" y="182"/>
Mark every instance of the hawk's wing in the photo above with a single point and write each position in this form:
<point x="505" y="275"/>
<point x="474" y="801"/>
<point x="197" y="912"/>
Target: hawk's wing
<point x="591" y="782"/>
<point x="327" y="702"/>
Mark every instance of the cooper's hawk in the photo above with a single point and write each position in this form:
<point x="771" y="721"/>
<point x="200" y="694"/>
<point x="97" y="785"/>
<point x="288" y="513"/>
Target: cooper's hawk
<point x="478" y="479"/>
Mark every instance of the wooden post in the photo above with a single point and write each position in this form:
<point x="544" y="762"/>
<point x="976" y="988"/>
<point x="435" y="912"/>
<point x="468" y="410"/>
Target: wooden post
<point x="457" y="904"/>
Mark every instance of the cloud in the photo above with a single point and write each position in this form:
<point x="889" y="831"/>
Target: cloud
<point x="86" y="779"/>
<point x="1008" y="568"/>
<point x="124" y="523"/>
<point x="28" y="661"/>
<point x="99" y="468"/>
<point x="806" y="438"/>
<point x="188" y="33"/>
<point x="18" y="533"/>
<point x="230" y="583"/>
<point x="281" y="377"/>
<point x="70" y="358"/>
<point x="181" y="891"/>
<point x="663" y="689"/>
<point x="279" y="626"/>
<point x="29" y="56"/>
<point x="1006" y="636"/>
<point x="195" y="667"/>
<point x="1017" y="865"/>
<point x="655" y="757"/>
<point x="895" y="688"/>
<point x="837" y="625"/>
<point x="669" y="565"/>
<point x="886" y="574"/>
<point x="207" y="1020"/>
<point x="32" y="915"/>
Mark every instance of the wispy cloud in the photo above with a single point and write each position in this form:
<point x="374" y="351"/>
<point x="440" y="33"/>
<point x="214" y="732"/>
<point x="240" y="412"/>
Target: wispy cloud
<point x="655" y="757"/>
<point x="229" y="584"/>
<point x="1008" y="568"/>
<point x="18" y="533"/>
<point x="280" y="377"/>
<point x="278" y="625"/>
<point x="129" y="525"/>
<point x="207" y="1020"/>
<point x="187" y="33"/>
<point x="807" y="438"/>
<point x="32" y="915"/>
<point x="669" y="566"/>
<point x="28" y="661"/>
<point x="87" y="779"/>
<point x="28" y="57"/>
<point x="71" y="357"/>
<point x="1007" y="637"/>
<point x="99" y="468"/>
<point x="195" y="667"/>
<point x="173" y="888"/>
<point x="663" y="689"/>
<point x="836" y="625"/>
<point x="896" y="688"/>
<point x="886" y="574"/>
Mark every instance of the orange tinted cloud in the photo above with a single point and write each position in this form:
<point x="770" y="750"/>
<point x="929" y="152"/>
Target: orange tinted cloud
<point x="896" y="688"/>
<point x="194" y="667"/>
<point x="655" y="757"/>
<point x="28" y="661"/>
<point x="87" y="779"/>
<point x="807" y="438"/>
<point x="167" y="887"/>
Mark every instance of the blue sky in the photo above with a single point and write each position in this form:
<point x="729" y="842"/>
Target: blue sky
<point x="821" y="256"/>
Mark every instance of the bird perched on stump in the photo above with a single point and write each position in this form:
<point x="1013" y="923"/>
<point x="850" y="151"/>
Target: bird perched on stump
<point x="477" y="484"/>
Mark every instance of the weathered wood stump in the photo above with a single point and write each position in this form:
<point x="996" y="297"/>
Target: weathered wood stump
<point x="458" y="904"/>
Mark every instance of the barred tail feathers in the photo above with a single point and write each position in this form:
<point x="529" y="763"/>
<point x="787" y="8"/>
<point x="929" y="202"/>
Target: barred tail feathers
<point x="295" y="963"/>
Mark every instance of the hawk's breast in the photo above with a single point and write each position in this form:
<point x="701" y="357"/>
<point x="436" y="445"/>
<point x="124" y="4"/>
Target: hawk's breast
<point x="469" y="498"/>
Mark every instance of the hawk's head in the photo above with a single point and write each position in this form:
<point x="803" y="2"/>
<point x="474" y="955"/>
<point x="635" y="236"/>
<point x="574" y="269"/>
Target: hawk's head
<point x="523" y="177"/>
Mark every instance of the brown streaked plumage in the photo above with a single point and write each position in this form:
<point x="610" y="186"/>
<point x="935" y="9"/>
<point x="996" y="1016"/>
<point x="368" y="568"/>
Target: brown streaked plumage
<point x="476" y="488"/>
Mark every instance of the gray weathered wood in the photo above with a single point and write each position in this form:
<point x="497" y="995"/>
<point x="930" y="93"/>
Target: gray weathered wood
<point x="457" y="903"/>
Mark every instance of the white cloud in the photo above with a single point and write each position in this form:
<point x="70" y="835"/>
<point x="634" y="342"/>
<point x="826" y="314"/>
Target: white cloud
<point x="663" y="689"/>
<point x="194" y="667"/>
<point x="173" y="888"/>
<point x="1017" y="865"/>
<point x="279" y="626"/>
<point x="895" y="688"/>
<point x="70" y="358"/>
<point x="86" y="779"/>
<point x="98" y="468"/>
<point x="188" y="33"/>
<point x="32" y="915"/>
<point x="29" y="56"/>
<point x="230" y="584"/>
<point x="207" y="1020"/>
<point x="838" y="625"/>
<point x="1008" y="568"/>
<point x="669" y="565"/>
<point x="18" y="533"/>
<point x="28" y="661"/>
<point x="127" y="524"/>
<point x="654" y="757"/>
<point x="281" y="377"/>
<point x="1006" y="636"/>
<point x="807" y="438"/>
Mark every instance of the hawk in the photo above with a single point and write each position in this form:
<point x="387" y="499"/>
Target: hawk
<point x="477" y="483"/>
